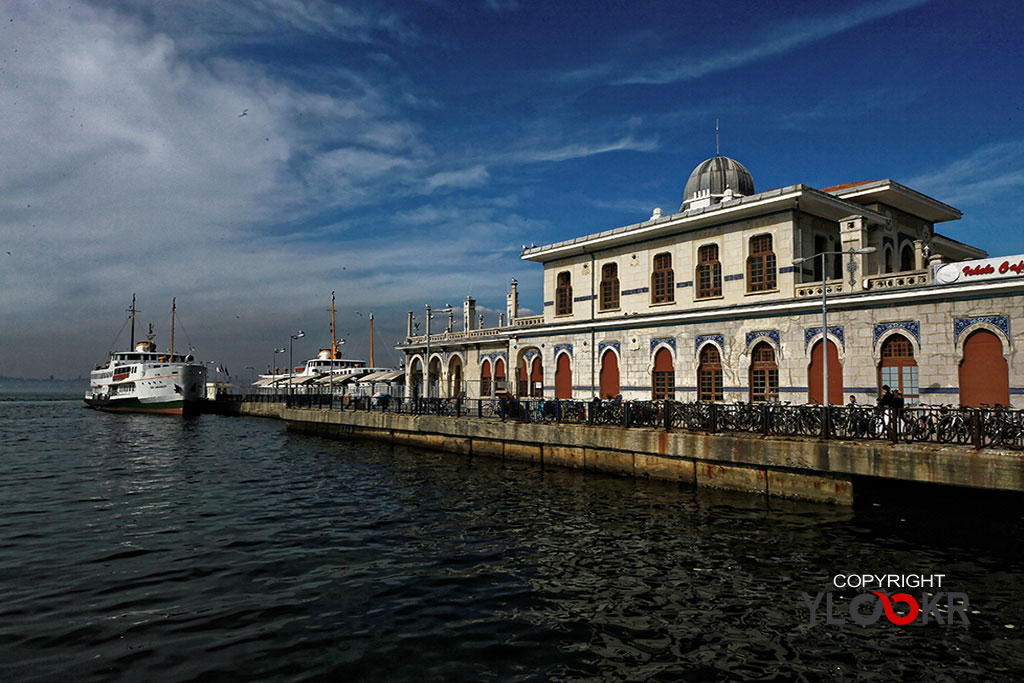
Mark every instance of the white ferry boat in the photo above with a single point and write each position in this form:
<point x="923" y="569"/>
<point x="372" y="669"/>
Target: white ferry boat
<point x="144" y="380"/>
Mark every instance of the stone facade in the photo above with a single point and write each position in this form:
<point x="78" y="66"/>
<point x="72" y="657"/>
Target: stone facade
<point x="766" y="290"/>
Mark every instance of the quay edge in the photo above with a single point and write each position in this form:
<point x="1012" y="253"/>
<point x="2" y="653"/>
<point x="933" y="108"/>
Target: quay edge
<point x="806" y="469"/>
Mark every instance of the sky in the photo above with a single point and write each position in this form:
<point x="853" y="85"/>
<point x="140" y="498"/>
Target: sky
<point x="249" y="157"/>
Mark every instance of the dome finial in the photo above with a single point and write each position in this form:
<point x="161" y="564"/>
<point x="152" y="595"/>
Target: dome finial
<point x="717" y="153"/>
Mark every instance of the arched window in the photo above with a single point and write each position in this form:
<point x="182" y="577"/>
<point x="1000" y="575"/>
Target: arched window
<point x="663" y="281"/>
<point x="609" y="286"/>
<point x="764" y="373"/>
<point x="907" y="257"/>
<point x="609" y="374"/>
<point x="761" y="264"/>
<point x="563" y="377"/>
<point x="664" y="376"/>
<point x="709" y="272"/>
<point x="898" y="370"/>
<point x="835" y="375"/>
<point x="709" y="374"/>
<point x="499" y="375"/>
<point x="563" y="294"/>
<point x="984" y="375"/>
<point x="889" y="266"/>
<point x="485" y="379"/>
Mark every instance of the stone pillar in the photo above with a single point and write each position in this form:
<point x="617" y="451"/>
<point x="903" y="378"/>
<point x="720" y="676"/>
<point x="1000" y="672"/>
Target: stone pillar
<point x="501" y="320"/>
<point x="468" y="313"/>
<point x="853" y="231"/>
<point x="919" y="262"/>
<point x="512" y="302"/>
<point x="408" y="329"/>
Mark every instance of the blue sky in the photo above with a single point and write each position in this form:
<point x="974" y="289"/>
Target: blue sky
<point x="401" y="153"/>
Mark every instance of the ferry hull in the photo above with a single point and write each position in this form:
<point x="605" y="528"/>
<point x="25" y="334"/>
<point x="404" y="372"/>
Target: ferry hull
<point x="134" y="405"/>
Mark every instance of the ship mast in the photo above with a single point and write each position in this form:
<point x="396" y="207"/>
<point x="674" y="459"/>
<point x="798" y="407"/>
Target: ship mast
<point x="174" y="301"/>
<point x="132" y="311"/>
<point x="334" y="335"/>
<point x="371" y="341"/>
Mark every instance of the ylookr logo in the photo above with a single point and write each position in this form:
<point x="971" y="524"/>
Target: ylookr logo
<point x="877" y="599"/>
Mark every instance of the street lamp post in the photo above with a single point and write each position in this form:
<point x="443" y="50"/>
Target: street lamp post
<point x="273" y="365"/>
<point x="291" y="364"/>
<point x="337" y="343"/>
<point x="824" y="307"/>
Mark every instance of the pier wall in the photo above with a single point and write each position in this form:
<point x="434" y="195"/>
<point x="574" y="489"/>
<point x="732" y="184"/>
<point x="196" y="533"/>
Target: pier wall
<point x="794" y="468"/>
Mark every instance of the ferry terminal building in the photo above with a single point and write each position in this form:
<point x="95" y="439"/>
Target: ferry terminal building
<point x="722" y="301"/>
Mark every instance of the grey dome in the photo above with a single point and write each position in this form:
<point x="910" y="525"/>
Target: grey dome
<point x="715" y="175"/>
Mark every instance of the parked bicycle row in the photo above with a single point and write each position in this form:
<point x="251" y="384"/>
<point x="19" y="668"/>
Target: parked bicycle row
<point x="978" y="427"/>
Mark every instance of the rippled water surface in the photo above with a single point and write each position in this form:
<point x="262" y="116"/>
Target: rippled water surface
<point x="138" y="547"/>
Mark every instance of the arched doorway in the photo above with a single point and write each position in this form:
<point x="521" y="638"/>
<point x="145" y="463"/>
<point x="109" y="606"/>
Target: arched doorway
<point x="835" y="375"/>
<point x="984" y="375"/>
<point x="709" y="374"/>
<point x="563" y="377"/>
<point x="663" y="379"/>
<point x="485" y="379"/>
<point x="416" y="378"/>
<point x="764" y="373"/>
<point x="434" y="378"/>
<point x="455" y="388"/>
<point x="898" y="369"/>
<point x="523" y="379"/>
<point x="609" y="374"/>
<point x="537" y="378"/>
<point x="499" y="375"/>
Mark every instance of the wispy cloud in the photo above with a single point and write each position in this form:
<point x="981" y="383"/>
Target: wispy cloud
<point x="979" y="177"/>
<point x="775" y="41"/>
<point x="469" y="177"/>
<point x="582" y="149"/>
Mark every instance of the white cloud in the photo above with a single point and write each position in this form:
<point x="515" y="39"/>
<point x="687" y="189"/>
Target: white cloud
<point x="978" y="178"/>
<point x="582" y="149"/>
<point x="777" y="40"/>
<point x="470" y="177"/>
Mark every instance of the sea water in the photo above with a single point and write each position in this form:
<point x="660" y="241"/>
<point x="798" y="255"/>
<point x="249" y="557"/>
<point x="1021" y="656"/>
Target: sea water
<point x="153" y="548"/>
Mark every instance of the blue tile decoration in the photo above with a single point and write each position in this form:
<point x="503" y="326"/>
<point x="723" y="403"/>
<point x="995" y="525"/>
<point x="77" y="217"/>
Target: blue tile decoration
<point x="549" y="303"/>
<point x="671" y="341"/>
<point x="563" y="347"/>
<point x="835" y="332"/>
<point x="639" y="290"/>
<point x="461" y="354"/>
<point x="787" y="269"/>
<point x="530" y="355"/>
<point x="961" y="325"/>
<point x="493" y="357"/>
<point x="588" y="297"/>
<point x="688" y="283"/>
<point x="716" y="338"/>
<point x="737" y="276"/>
<point x="911" y="326"/>
<point x="773" y="335"/>
<point x="601" y="346"/>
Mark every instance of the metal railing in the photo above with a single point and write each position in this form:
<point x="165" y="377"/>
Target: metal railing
<point x="978" y="427"/>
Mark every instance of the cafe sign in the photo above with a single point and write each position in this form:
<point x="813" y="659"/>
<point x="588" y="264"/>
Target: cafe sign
<point x="981" y="269"/>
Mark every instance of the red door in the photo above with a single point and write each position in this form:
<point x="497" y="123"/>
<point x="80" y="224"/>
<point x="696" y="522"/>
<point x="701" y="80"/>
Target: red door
<point x="984" y="376"/>
<point x="835" y="375"/>
<point x="563" y="377"/>
<point x="537" y="378"/>
<point x="609" y="375"/>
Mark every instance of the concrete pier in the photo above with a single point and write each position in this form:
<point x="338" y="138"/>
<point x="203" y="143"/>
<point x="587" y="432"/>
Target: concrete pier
<point x="807" y="469"/>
